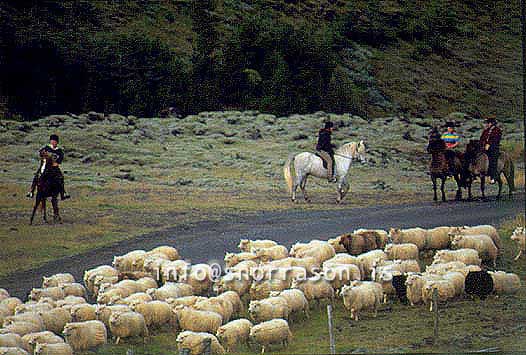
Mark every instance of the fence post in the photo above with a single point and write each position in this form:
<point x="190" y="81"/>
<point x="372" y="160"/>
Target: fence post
<point x="331" y="335"/>
<point x="435" y="310"/>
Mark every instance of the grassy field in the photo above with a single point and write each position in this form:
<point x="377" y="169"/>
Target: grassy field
<point x="465" y="324"/>
<point x="129" y="176"/>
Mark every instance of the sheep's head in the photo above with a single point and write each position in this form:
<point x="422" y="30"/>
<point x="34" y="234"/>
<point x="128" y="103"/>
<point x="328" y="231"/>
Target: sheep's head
<point x="394" y="234"/>
<point x="117" y="261"/>
<point x="388" y="248"/>
<point x="47" y="281"/>
<point x="254" y="307"/>
<point x="35" y="294"/>
<point x="244" y="244"/>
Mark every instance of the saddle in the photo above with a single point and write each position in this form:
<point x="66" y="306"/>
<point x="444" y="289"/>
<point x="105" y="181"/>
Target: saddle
<point x="324" y="162"/>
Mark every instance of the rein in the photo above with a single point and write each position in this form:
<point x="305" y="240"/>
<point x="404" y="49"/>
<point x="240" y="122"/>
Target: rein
<point x="344" y="156"/>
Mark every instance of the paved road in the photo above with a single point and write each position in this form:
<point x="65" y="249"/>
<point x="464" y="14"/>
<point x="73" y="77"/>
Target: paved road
<point x="208" y="241"/>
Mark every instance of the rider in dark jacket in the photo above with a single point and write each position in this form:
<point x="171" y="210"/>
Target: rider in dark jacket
<point x="490" y="143"/>
<point x="58" y="154"/>
<point x="326" y="149"/>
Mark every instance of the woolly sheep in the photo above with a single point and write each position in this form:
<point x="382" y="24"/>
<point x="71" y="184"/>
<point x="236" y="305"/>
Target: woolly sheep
<point x="415" y="284"/>
<point x="248" y="246"/>
<point x="83" y="312"/>
<point x="335" y="243"/>
<point x="234" y="299"/>
<point x="73" y="289"/>
<point x="438" y="238"/>
<point x="56" y="319"/>
<point x="184" y="301"/>
<point x="221" y="306"/>
<point x="135" y="298"/>
<point x="362" y="295"/>
<point x="100" y="282"/>
<point x="234" y="259"/>
<point x="45" y="337"/>
<point x="57" y="280"/>
<point x="104" y="312"/>
<point x="342" y="258"/>
<point x="308" y="263"/>
<point x="446" y="291"/>
<point x="30" y="317"/>
<point x="385" y="272"/>
<point x="33" y="308"/>
<point x="56" y="293"/>
<point x="381" y="236"/>
<point x="505" y="283"/>
<point x="197" y="321"/>
<point x="416" y="236"/>
<point x="84" y="336"/>
<point x="197" y="342"/>
<point x="481" y="243"/>
<point x="340" y="275"/>
<point x="314" y="288"/>
<point x="275" y="331"/>
<point x="477" y="230"/>
<point x="319" y="250"/>
<point x="170" y="290"/>
<point x="273" y="253"/>
<point x="10" y="304"/>
<point x="132" y="261"/>
<point x="244" y="267"/>
<point x="153" y="264"/>
<point x="262" y="289"/>
<point x="156" y="313"/>
<point x="457" y="280"/>
<point x="12" y="340"/>
<point x="404" y="251"/>
<point x="268" y="308"/>
<point x="441" y="268"/>
<point x="296" y="300"/>
<point x="200" y="278"/>
<point x="53" y="349"/>
<point x="466" y="256"/>
<point x="128" y="325"/>
<point x="234" y="332"/>
<point x="368" y="260"/>
<point x="104" y="271"/>
<point x="239" y="283"/>
<point x="172" y="270"/>
<point x="519" y="236"/>
<point x="170" y="253"/>
<point x="21" y="328"/>
<point x="12" y="351"/>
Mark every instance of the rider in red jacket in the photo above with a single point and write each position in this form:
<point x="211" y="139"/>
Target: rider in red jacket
<point x="490" y="143"/>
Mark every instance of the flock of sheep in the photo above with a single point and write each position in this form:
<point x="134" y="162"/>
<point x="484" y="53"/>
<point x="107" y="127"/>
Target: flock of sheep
<point x="148" y="291"/>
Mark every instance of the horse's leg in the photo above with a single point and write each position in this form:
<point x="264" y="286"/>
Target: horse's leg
<point x="434" y="179"/>
<point x="297" y="182"/>
<point x="56" y="215"/>
<point x="44" y="212"/>
<point x="37" y="202"/>
<point x="443" y="178"/>
<point x="303" y="189"/>
<point x="458" y="196"/>
<point x="470" y="195"/>
<point x="499" y="181"/>
<point x="483" y="186"/>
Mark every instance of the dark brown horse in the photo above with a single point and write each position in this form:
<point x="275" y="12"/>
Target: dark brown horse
<point x="441" y="167"/>
<point x="48" y="185"/>
<point x="477" y="164"/>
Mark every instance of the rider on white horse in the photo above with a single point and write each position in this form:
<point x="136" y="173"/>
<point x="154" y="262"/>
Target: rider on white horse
<point x="326" y="149"/>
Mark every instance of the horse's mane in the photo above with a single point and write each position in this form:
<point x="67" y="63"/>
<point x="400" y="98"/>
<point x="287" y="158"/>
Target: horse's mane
<point x="348" y="149"/>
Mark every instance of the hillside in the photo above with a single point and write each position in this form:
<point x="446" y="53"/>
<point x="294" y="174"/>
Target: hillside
<point x="419" y="58"/>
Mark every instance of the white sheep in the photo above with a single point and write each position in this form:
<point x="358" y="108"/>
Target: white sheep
<point x="83" y="312"/>
<point x="446" y="290"/>
<point x="369" y="260"/>
<point x="197" y="342"/>
<point x="342" y="274"/>
<point x="104" y="312"/>
<point x="12" y="351"/>
<point x="457" y="279"/>
<point x="438" y="238"/>
<point x="319" y="250"/>
<point x="156" y="313"/>
<point x="314" y="288"/>
<point x="56" y="319"/>
<point x="261" y="289"/>
<point x="415" y="284"/>
<point x="244" y="267"/>
<point x="342" y="258"/>
<point x="519" y="236"/>
<point x="309" y="263"/>
<point x="200" y="278"/>
<point x="296" y="300"/>
<point x="135" y="298"/>
<point x="128" y="325"/>
<point x="84" y="336"/>
<point x="221" y="306"/>
<point x="31" y="317"/>
<point x="416" y="236"/>
<point x="153" y="264"/>
<point x="384" y="272"/>
<point x="57" y="280"/>
<point x="12" y="340"/>
<point x="170" y="253"/>
<point x="21" y="328"/>
<point x="403" y="251"/>
<point x="248" y="246"/>
<point x="268" y="308"/>
<point x="235" y="299"/>
<point x="335" y="243"/>
<point x="505" y="283"/>
<point x="45" y="337"/>
<point x="70" y="301"/>
<point x="234" y="332"/>
<point x="171" y="271"/>
<point x="477" y="230"/>
<point x="442" y="268"/>
<point x="276" y="252"/>
<point x="104" y="271"/>
<point x="197" y="321"/>
<point x="234" y="259"/>
<point x="100" y="282"/>
<point x="56" y="293"/>
<point x="184" y="301"/>
<point x="466" y="256"/>
<point x="237" y="282"/>
<point x="362" y="295"/>
<point x="73" y="289"/>
<point x="481" y="243"/>
<point x="132" y="261"/>
<point x="10" y="304"/>
<point x="170" y="290"/>
<point x="275" y="331"/>
<point x="53" y="349"/>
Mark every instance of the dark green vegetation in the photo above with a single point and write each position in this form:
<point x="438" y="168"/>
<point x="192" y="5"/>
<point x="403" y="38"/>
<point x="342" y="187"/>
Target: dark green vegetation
<point x="366" y="57"/>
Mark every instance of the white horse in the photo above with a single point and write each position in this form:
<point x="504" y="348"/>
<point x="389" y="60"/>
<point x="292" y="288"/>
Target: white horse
<point x="306" y="164"/>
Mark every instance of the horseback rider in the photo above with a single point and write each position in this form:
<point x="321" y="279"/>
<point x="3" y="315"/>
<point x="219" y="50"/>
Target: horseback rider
<point x="325" y="149"/>
<point x="452" y="140"/>
<point x="490" y="144"/>
<point x="58" y="154"/>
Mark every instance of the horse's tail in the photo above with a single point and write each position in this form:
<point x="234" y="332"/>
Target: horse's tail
<point x="287" y="172"/>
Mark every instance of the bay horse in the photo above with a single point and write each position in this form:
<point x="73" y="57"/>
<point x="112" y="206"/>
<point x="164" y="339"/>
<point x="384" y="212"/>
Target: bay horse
<point x="477" y="164"/>
<point x="309" y="164"/>
<point x="48" y="185"/>
<point x="440" y="168"/>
